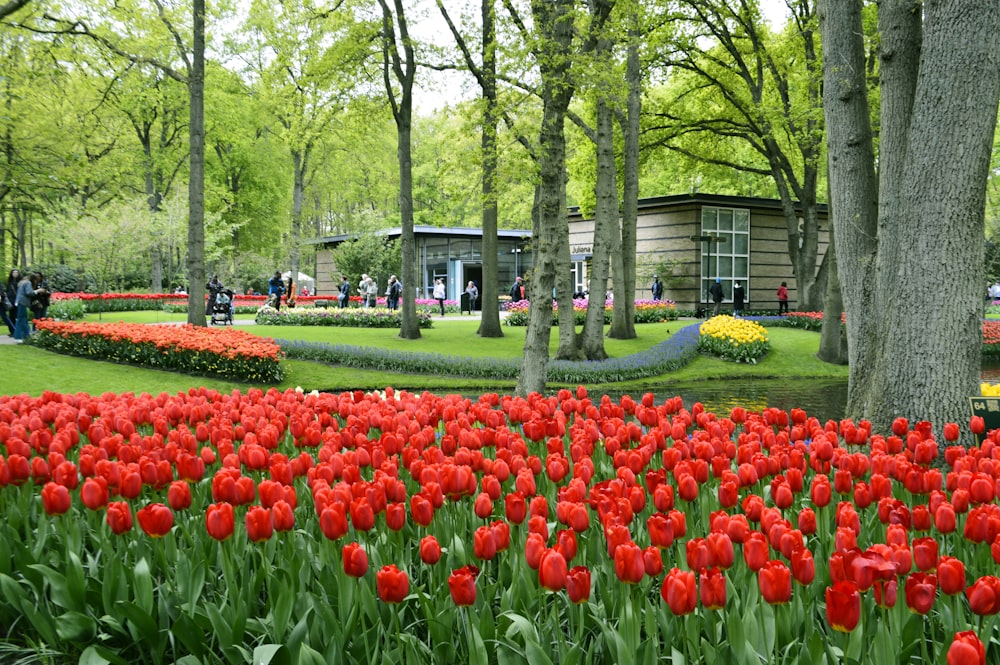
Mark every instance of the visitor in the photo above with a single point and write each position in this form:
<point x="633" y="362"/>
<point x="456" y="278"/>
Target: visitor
<point x="473" y="293"/>
<point x="393" y="292"/>
<point x="214" y="287"/>
<point x="657" y="288"/>
<point x="994" y="291"/>
<point x="517" y="290"/>
<point x="10" y="288"/>
<point x="716" y="292"/>
<point x="275" y="287"/>
<point x="370" y="288"/>
<point x="738" y="296"/>
<point x="345" y="292"/>
<point x="290" y="291"/>
<point x="440" y="293"/>
<point x="26" y="290"/>
<point x="783" y="299"/>
<point x="40" y="303"/>
<point x="7" y="310"/>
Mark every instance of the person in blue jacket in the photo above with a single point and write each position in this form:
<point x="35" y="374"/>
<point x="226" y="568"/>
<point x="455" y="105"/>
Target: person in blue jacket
<point x="275" y="288"/>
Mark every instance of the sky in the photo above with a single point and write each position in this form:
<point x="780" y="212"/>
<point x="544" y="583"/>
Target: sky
<point x="434" y="90"/>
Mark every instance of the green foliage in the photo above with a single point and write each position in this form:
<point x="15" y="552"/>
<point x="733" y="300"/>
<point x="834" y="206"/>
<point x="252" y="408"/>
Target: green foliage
<point x="369" y="254"/>
<point x="67" y="310"/>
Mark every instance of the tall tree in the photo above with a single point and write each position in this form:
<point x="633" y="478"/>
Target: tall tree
<point x="915" y="227"/>
<point x="553" y="48"/>
<point x="399" y="67"/>
<point x="754" y="89"/>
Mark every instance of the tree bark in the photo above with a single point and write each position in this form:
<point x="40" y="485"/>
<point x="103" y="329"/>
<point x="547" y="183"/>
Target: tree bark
<point x="833" y="338"/>
<point x="196" y="184"/>
<point x="551" y="232"/>
<point x="914" y="295"/>
<point x="489" y="320"/>
<point x="623" y="270"/>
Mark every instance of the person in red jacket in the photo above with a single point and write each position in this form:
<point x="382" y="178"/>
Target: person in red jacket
<point x="783" y="299"/>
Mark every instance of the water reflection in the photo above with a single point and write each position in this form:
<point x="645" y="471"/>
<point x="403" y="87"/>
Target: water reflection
<point x="824" y="399"/>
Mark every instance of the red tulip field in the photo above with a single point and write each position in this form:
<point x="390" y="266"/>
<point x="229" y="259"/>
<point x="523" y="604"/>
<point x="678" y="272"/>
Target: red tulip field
<point x="273" y="527"/>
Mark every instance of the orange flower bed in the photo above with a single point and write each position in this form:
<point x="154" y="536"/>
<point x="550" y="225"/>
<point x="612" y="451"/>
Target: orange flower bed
<point x="192" y="349"/>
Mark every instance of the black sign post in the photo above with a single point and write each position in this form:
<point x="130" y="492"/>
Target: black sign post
<point x="989" y="409"/>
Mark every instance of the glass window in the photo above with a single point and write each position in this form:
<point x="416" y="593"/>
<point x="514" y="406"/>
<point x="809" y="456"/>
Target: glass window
<point x="729" y="257"/>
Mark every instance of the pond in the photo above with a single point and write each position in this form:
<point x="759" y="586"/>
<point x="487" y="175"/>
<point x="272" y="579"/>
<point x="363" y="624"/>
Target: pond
<point x="824" y="399"/>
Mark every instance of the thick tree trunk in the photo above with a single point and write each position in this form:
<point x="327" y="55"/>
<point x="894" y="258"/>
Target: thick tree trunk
<point x="853" y="188"/>
<point x="489" y="321"/>
<point x="932" y="219"/>
<point x="551" y="231"/>
<point x="196" y="184"/>
<point x="922" y="359"/>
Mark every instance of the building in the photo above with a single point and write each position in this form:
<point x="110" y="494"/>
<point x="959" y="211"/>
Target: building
<point x="456" y="254"/>
<point x="750" y="245"/>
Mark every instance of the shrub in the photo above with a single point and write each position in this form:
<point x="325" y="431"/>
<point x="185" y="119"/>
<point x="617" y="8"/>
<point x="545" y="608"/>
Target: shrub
<point x="67" y="310"/>
<point x="733" y="339"/>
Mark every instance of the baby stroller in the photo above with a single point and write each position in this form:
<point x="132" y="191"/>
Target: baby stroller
<point x="222" y="309"/>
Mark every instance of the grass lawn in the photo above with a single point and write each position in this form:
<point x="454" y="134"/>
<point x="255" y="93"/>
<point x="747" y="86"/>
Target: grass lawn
<point x="32" y="371"/>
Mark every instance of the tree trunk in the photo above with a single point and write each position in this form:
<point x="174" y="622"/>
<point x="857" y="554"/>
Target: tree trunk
<point x="550" y="239"/>
<point x="607" y="237"/>
<point x="196" y="185"/>
<point x="300" y="162"/>
<point x="623" y="271"/>
<point x="409" y="328"/>
<point x="489" y="320"/>
<point x="853" y="188"/>
<point x="915" y="322"/>
<point x="833" y="338"/>
<point x="935" y="224"/>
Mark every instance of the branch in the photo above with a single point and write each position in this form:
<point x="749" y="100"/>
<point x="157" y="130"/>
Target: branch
<point x="11" y="7"/>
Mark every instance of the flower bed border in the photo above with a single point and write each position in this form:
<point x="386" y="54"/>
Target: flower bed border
<point x="223" y="352"/>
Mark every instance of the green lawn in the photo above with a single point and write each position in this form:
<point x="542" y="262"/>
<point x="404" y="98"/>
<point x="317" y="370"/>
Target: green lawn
<point x="32" y="371"/>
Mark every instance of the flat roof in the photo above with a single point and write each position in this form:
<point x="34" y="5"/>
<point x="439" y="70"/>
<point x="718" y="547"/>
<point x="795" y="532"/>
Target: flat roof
<point x="424" y="230"/>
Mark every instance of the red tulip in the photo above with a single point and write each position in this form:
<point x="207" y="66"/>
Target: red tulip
<point x="944" y="518"/>
<point x="678" y="591"/>
<point x="119" y="517"/>
<point x="652" y="561"/>
<point x="483" y="506"/>
<point x="951" y="575"/>
<point x="392" y="584"/>
<point x="220" y="520"/>
<point x="179" y="495"/>
<point x="552" y="570"/>
<point x="395" y="516"/>
<point x="259" y="524"/>
<point x="55" y="499"/>
<point x="578" y="584"/>
<point x="661" y="531"/>
<point x="712" y="588"/>
<point x="775" y="581"/>
<point x="155" y="519"/>
<point x="283" y="516"/>
<point x="421" y="509"/>
<point x="756" y="551"/>
<point x="462" y="585"/>
<point x="430" y="550"/>
<point x="843" y="606"/>
<point x="501" y="534"/>
<point x="984" y="595"/>
<point x="720" y="550"/>
<point x="362" y="514"/>
<point x="566" y="543"/>
<point x="803" y="566"/>
<point x="94" y="493"/>
<point x="885" y="593"/>
<point x="697" y="554"/>
<point x="951" y="432"/>
<point x="355" y="560"/>
<point x="921" y="588"/>
<point x="807" y="521"/>
<point x="966" y="649"/>
<point x="977" y="425"/>
<point x="534" y="548"/>
<point x="515" y="507"/>
<point x="333" y="521"/>
<point x="484" y="543"/>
